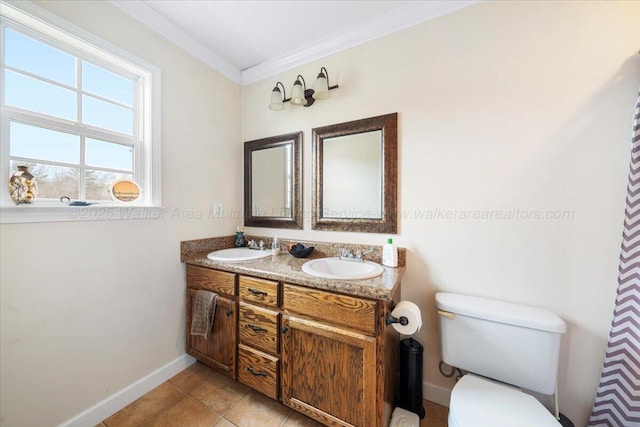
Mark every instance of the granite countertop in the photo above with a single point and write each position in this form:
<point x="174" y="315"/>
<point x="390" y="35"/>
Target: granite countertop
<point x="286" y="268"/>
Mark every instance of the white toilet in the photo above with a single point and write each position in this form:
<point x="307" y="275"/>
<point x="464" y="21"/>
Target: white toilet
<point x="503" y="346"/>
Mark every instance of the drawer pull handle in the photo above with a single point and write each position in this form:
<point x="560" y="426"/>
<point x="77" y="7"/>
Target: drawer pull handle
<point x="257" y="373"/>
<point x="256" y="292"/>
<point x="256" y="328"/>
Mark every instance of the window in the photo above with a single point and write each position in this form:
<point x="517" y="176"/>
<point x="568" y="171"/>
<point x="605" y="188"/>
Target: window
<point x="78" y="112"/>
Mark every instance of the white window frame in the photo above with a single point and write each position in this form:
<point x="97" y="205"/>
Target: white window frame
<point x="38" y="23"/>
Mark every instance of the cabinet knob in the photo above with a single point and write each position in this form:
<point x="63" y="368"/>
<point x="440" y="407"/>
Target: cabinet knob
<point x="229" y="313"/>
<point x="285" y="329"/>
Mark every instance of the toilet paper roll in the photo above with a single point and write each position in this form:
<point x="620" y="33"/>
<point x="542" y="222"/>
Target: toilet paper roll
<point x="412" y="313"/>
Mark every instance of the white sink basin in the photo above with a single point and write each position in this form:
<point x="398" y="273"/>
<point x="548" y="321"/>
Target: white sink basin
<point x="238" y="254"/>
<point x="335" y="268"/>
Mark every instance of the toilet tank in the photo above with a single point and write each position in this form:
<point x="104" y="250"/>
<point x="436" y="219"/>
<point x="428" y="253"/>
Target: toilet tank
<point x="512" y="343"/>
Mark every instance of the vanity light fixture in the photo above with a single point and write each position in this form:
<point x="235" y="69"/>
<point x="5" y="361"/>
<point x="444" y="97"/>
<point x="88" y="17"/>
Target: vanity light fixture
<point x="300" y="95"/>
<point x="278" y="99"/>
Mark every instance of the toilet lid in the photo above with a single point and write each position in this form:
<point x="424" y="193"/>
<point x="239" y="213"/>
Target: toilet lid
<point x="478" y="402"/>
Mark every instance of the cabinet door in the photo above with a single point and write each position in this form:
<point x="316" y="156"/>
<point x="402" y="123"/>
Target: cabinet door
<point x="328" y="373"/>
<point x="219" y="351"/>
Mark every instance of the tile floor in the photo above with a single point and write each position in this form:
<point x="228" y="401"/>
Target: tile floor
<point x="200" y="396"/>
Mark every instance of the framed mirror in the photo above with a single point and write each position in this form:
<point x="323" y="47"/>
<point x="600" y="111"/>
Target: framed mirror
<point x="355" y="175"/>
<point x="273" y="181"/>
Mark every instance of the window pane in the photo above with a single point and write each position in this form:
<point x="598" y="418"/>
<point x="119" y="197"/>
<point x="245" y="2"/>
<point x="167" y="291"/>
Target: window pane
<point x="35" y="95"/>
<point x="38" y="58"/>
<point x="53" y="181"/>
<point x="98" y="183"/>
<point x="108" y="154"/>
<point x="106" y="115"/>
<point x="43" y="144"/>
<point x="107" y="84"/>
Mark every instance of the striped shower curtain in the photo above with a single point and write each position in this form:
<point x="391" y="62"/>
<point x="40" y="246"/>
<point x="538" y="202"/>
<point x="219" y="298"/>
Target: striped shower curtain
<point x="617" y="402"/>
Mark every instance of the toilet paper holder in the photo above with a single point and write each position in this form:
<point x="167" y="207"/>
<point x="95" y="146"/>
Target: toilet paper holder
<point x="391" y="320"/>
<point x="404" y="317"/>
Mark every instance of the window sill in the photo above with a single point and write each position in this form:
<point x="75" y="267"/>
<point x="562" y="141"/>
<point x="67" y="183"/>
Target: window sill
<point x="28" y="213"/>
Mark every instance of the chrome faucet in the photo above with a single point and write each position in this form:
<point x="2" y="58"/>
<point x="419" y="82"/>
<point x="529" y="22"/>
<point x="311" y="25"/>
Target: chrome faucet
<point x="347" y="255"/>
<point x="253" y="245"/>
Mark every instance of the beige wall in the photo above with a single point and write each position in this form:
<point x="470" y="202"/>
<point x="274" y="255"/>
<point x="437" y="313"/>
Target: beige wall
<point x="502" y="106"/>
<point x="88" y="308"/>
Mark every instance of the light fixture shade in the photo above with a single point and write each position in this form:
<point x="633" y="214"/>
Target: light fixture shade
<point x="321" y="87"/>
<point x="297" y="94"/>
<point x="276" y="100"/>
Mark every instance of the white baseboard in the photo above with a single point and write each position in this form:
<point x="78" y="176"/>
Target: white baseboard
<point x="436" y="394"/>
<point x="120" y="399"/>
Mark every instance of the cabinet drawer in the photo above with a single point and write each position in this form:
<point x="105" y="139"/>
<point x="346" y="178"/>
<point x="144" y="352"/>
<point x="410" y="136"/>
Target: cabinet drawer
<point x="352" y="312"/>
<point x="259" y="290"/>
<point x="259" y="327"/>
<point x="211" y="280"/>
<point x="258" y="370"/>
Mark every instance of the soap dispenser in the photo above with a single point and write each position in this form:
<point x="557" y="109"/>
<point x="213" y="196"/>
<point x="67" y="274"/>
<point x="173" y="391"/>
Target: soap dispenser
<point x="390" y="254"/>
<point x="275" y="245"/>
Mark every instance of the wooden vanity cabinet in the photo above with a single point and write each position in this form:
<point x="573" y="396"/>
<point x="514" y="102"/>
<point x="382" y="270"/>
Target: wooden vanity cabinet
<point x="219" y="351"/>
<point x="327" y="355"/>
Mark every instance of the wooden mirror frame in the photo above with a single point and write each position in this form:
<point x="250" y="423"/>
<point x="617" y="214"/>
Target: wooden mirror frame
<point x="388" y="124"/>
<point x="295" y="219"/>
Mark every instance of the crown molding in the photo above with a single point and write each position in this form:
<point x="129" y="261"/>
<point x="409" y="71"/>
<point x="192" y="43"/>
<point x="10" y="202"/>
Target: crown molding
<point x="161" y="25"/>
<point x="398" y="19"/>
<point x="407" y="16"/>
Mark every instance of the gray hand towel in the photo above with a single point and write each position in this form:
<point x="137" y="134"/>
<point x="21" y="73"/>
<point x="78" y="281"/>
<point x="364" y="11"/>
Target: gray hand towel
<point x="202" y="312"/>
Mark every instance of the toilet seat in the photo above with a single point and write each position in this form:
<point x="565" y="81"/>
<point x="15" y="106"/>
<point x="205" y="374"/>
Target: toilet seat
<point x="479" y="402"/>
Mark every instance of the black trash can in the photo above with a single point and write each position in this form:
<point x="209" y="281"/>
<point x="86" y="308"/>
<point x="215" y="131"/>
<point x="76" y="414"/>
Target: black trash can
<point x="410" y="381"/>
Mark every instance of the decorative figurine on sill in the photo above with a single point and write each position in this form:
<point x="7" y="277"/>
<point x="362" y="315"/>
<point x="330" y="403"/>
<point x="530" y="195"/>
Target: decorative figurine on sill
<point x="240" y="243"/>
<point x="22" y="186"/>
